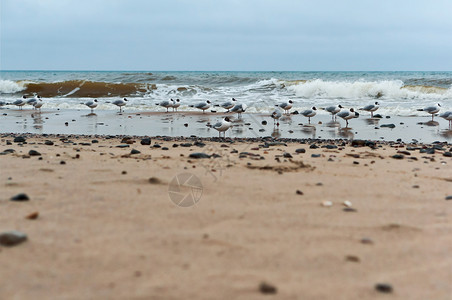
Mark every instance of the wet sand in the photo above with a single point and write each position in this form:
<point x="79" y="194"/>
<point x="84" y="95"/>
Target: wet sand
<point x="108" y="229"/>
<point x="103" y="122"/>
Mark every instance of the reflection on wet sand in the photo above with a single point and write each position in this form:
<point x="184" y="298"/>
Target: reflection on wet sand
<point x="372" y="121"/>
<point x="346" y="132"/>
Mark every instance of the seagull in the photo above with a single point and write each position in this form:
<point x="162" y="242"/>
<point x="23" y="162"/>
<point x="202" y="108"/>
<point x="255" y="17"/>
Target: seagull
<point x="276" y="114"/>
<point x="239" y="109"/>
<point x="333" y="110"/>
<point x="167" y="104"/>
<point x="38" y="104"/>
<point x="91" y="104"/>
<point x="33" y="100"/>
<point x="347" y="115"/>
<point x="120" y="103"/>
<point x="286" y="106"/>
<point x="176" y="104"/>
<point x="309" y="113"/>
<point x="431" y="109"/>
<point x="228" y="104"/>
<point x="222" y="126"/>
<point x="447" y="116"/>
<point x="202" y="105"/>
<point x="371" y="108"/>
<point x="20" y="102"/>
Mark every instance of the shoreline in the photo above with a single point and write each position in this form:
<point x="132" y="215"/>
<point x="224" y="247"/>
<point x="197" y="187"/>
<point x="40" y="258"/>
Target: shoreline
<point x="407" y="129"/>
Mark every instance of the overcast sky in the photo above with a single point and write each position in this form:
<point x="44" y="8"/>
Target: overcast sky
<point x="255" y="35"/>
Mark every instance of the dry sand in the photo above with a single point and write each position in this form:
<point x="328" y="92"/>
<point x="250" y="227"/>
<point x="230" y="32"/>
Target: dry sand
<point x="105" y="231"/>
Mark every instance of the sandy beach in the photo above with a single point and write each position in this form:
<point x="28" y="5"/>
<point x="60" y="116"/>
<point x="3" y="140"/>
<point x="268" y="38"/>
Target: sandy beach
<point x="288" y="219"/>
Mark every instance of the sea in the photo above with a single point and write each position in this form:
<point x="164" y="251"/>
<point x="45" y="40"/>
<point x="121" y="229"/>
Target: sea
<point x="398" y="93"/>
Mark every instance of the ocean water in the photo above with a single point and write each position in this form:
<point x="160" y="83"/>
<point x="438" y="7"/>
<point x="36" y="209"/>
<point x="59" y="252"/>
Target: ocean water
<point x="399" y="93"/>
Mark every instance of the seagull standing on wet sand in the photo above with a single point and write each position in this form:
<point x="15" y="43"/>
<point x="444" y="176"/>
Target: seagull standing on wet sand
<point x="347" y="115"/>
<point x="176" y="104"/>
<point x="120" y="103"/>
<point x="166" y="104"/>
<point x="202" y="105"/>
<point x="371" y="108"/>
<point x="38" y="104"/>
<point x="33" y="100"/>
<point x="286" y="106"/>
<point x="239" y="109"/>
<point x="309" y="113"/>
<point x="431" y="109"/>
<point x="447" y="116"/>
<point x="20" y="102"/>
<point x="228" y="104"/>
<point x="222" y="126"/>
<point x="276" y="114"/>
<point x="91" y="104"/>
<point x="333" y="110"/>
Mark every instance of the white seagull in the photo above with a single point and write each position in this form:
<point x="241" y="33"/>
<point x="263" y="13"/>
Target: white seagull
<point x="222" y="126"/>
<point x="20" y="102"/>
<point x="166" y="104"/>
<point x="239" y="109"/>
<point x="176" y="104"/>
<point x="228" y="104"/>
<point x="202" y="105"/>
<point x="333" y="110"/>
<point x="286" y="106"/>
<point x="347" y="115"/>
<point x="371" y="108"/>
<point x="276" y="114"/>
<point x="447" y="116"/>
<point x="309" y="113"/>
<point x="431" y="109"/>
<point x="38" y="104"/>
<point x="91" y="104"/>
<point x="33" y="100"/>
<point x="120" y="103"/>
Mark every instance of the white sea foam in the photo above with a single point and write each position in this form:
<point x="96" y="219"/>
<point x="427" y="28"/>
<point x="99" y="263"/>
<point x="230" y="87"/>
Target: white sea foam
<point x="11" y="87"/>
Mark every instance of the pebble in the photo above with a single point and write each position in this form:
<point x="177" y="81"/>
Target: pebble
<point x="48" y="143"/>
<point x="383" y="287"/>
<point x="199" y="155"/>
<point x="347" y="203"/>
<point x="20" y="197"/>
<point x="33" y="216"/>
<point x="12" y="238"/>
<point x="34" y="153"/>
<point x="388" y="125"/>
<point x="145" y="141"/>
<point x="447" y="154"/>
<point x="349" y="209"/>
<point x="352" y="258"/>
<point x="300" y="150"/>
<point x="154" y="180"/>
<point x="266" y="288"/>
<point x="299" y="192"/>
<point x="367" y="241"/>
<point x="135" y="151"/>
<point x="186" y="144"/>
<point x="19" y="139"/>
<point x="327" y="203"/>
<point x="315" y="155"/>
<point x="287" y="155"/>
<point x="449" y="197"/>
<point x="398" y="156"/>
<point x="123" y="146"/>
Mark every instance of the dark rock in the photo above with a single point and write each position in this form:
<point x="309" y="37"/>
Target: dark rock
<point x="398" y="156"/>
<point x="330" y="147"/>
<point x="145" y="141"/>
<point x="264" y="122"/>
<point x="20" y="197"/>
<point x="349" y="209"/>
<point x="9" y="151"/>
<point x="300" y="150"/>
<point x="378" y="116"/>
<point x="404" y="152"/>
<point x="19" y="139"/>
<point x="165" y="148"/>
<point x="62" y="162"/>
<point x="135" y="151"/>
<point x="299" y="192"/>
<point x="367" y="241"/>
<point x="287" y="155"/>
<point x="85" y="144"/>
<point x="49" y="143"/>
<point x="123" y="146"/>
<point x="175" y="145"/>
<point x="157" y="146"/>
<point x="315" y="155"/>
<point x="186" y="144"/>
<point x="199" y="144"/>
<point x="199" y="155"/>
<point x="447" y="154"/>
<point x="94" y="141"/>
<point x="12" y="238"/>
<point x="358" y="143"/>
<point x="388" y="125"/>
<point x="266" y="288"/>
<point x="154" y="180"/>
<point x="34" y="153"/>
<point x="449" y="197"/>
<point x="313" y="146"/>
<point x="383" y="287"/>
